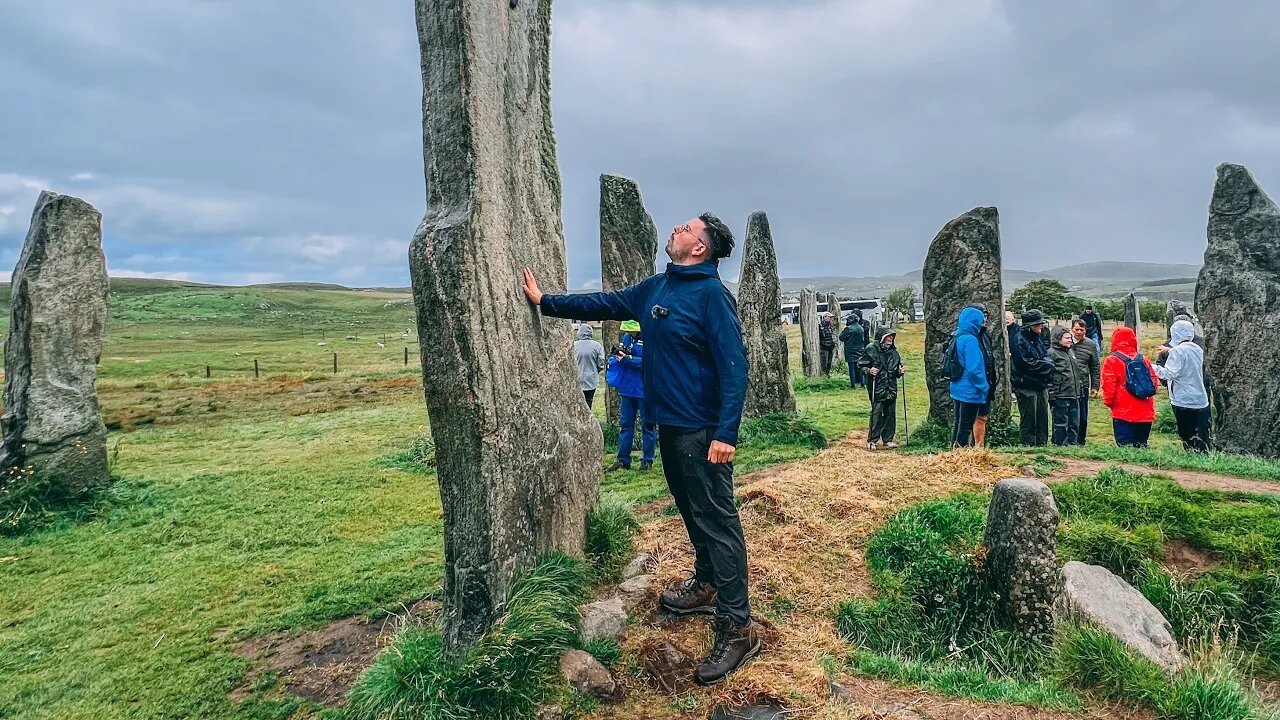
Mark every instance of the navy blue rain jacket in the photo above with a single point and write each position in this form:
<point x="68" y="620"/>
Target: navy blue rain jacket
<point x="695" y="366"/>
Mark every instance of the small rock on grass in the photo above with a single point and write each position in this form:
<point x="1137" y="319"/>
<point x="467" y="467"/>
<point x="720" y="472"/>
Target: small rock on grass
<point x="749" y="712"/>
<point x="587" y="676"/>
<point x="896" y="711"/>
<point x="839" y="692"/>
<point x="603" y="619"/>
<point x="638" y="566"/>
<point x="638" y="587"/>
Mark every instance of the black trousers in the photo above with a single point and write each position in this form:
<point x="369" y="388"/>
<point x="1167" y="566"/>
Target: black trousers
<point x="828" y="358"/>
<point x="703" y="492"/>
<point x="1066" y="420"/>
<point x="1084" y="418"/>
<point x="1033" y="416"/>
<point x="590" y="395"/>
<point x="962" y="427"/>
<point x="1193" y="428"/>
<point x="884" y="420"/>
<point x="1131" y="434"/>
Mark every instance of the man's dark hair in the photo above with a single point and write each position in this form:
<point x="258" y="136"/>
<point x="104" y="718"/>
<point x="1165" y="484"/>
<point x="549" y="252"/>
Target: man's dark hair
<point x="1079" y="322"/>
<point x="719" y="234"/>
<point x="1088" y="307"/>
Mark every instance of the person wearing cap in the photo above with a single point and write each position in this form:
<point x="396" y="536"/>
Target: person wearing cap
<point x="1131" y="416"/>
<point x="883" y="365"/>
<point x="1183" y="371"/>
<point x="1029" y="373"/>
<point x="589" y="355"/>
<point x="626" y="375"/>
<point x="826" y="342"/>
<point x="695" y="382"/>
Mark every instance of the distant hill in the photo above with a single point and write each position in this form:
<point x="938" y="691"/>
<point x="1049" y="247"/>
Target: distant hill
<point x="1128" y="271"/>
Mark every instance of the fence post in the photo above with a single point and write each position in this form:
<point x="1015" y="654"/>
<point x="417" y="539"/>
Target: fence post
<point x="207" y="371"/>
<point x="255" y="368"/>
<point x="335" y="363"/>
<point x="406" y="355"/>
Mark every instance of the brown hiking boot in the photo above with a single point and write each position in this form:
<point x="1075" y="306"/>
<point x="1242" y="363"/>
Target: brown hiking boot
<point x="691" y="597"/>
<point x="734" y="646"/>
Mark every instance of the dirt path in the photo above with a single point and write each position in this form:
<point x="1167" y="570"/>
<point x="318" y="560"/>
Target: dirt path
<point x="1191" y="479"/>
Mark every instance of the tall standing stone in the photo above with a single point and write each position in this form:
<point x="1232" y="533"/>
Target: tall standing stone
<point x="628" y="251"/>
<point x="810" y="348"/>
<point x="1238" y="299"/>
<point x="1133" y="315"/>
<point x="517" y="450"/>
<point x="53" y="429"/>
<point x="1022" y="557"/>
<point x="1172" y="310"/>
<point x="759" y="302"/>
<point x="963" y="267"/>
<point x="833" y="307"/>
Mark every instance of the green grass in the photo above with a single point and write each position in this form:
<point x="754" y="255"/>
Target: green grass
<point x="504" y="676"/>
<point x="610" y="527"/>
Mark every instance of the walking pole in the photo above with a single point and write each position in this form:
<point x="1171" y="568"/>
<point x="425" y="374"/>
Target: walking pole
<point x="906" y="419"/>
<point x="871" y="416"/>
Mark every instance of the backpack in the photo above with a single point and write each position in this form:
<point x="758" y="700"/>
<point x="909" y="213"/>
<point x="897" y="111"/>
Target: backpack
<point x="1137" y="379"/>
<point x="951" y="367"/>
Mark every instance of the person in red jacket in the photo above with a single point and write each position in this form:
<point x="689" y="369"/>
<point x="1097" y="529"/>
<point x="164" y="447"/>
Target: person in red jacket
<point x="1131" y="416"/>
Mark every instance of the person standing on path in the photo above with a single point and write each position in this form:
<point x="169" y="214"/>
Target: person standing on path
<point x="971" y="391"/>
<point x="589" y="355"/>
<point x="882" y="363"/>
<point x="1092" y="326"/>
<point x="855" y="343"/>
<point x="1065" y="387"/>
<point x="695" y="382"/>
<point x="1030" y="372"/>
<point x="826" y="343"/>
<point x="1131" y="415"/>
<point x="626" y="375"/>
<point x="1183" y="370"/>
<point x="1090" y="357"/>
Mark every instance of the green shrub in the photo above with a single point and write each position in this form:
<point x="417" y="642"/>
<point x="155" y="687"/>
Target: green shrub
<point x="1096" y="660"/>
<point x="610" y="527"/>
<point x="1214" y="693"/>
<point x="824" y="384"/>
<point x="604" y="649"/>
<point x="781" y="429"/>
<point x="503" y="676"/>
<point x="418" y="457"/>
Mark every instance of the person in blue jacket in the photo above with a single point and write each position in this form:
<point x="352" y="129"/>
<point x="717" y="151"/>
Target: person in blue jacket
<point x="625" y="374"/>
<point x="695" y="380"/>
<point x="971" y="391"/>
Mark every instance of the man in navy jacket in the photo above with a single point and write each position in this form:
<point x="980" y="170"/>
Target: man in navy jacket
<point x="695" y="379"/>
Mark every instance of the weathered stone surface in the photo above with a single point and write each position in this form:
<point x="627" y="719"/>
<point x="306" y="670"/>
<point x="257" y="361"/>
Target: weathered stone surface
<point x="749" y="712"/>
<point x="833" y="306"/>
<point x="587" y="676"/>
<point x="52" y="424"/>
<point x="839" y="692"/>
<point x="1238" y="299"/>
<point x="603" y="619"/>
<point x="638" y="588"/>
<point x="810" y="348"/>
<point x="668" y="667"/>
<point x="628" y="251"/>
<point x="639" y="565"/>
<point x="963" y="267"/>
<point x="759" y="299"/>
<point x="1022" y="559"/>
<point x="1133" y="315"/>
<point x="518" y="452"/>
<point x="1093" y="594"/>
<point x="1172" y="310"/>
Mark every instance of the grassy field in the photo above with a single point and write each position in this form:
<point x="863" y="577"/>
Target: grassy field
<point x="250" y="505"/>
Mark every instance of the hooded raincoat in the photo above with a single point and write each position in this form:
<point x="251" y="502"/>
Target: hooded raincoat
<point x="1125" y="406"/>
<point x="973" y="385"/>
<point x="886" y="358"/>
<point x="1183" y="370"/>
<point x="590" y="357"/>
<point x="1070" y="378"/>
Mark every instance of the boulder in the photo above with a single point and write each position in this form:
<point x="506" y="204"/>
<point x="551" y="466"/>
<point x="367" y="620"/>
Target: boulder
<point x="587" y="676"/>
<point x="518" y="451"/>
<point x="52" y="425"/>
<point x="759" y="299"/>
<point x="810" y="348"/>
<point x="628" y="252"/>
<point x="1238" y="300"/>
<point x="638" y="587"/>
<point x="1022" y="560"/>
<point x="750" y="712"/>
<point x="1095" y="595"/>
<point x="1133" y="315"/>
<point x="668" y="667"/>
<point x="963" y="267"/>
<point x="639" y="565"/>
<point x="603" y="619"/>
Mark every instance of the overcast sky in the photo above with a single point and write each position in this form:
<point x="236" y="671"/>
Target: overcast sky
<point x="256" y="141"/>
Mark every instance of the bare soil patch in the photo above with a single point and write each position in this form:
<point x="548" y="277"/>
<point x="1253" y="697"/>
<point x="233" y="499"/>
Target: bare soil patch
<point x="1191" y="479"/>
<point x="1183" y="559"/>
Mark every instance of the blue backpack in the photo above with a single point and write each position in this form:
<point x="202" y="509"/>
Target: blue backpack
<point x="1137" y="378"/>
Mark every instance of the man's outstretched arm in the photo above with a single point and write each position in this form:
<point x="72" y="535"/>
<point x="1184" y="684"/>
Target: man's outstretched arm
<point x="614" y="305"/>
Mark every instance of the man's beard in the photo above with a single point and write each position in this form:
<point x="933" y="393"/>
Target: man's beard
<point x="673" y="253"/>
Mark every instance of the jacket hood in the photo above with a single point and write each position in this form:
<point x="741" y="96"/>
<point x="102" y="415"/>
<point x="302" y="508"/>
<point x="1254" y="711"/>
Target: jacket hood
<point x="1056" y="338"/>
<point x="709" y="268"/>
<point x="585" y="332"/>
<point x="1182" y="331"/>
<point x="1124" y="340"/>
<point x="970" y="322"/>
<point x="883" y="333"/>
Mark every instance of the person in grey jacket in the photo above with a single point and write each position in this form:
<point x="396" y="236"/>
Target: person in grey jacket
<point x="590" y="356"/>
<point x="1183" y="371"/>
<point x="1065" y="384"/>
<point x="1090" y="358"/>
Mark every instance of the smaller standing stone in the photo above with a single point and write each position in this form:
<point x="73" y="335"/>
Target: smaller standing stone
<point x="1022" y="560"/>
<point x="603" y="619"/>
<point x="1172" y="310"/>
<point x="52" y="424"/>
<point x="810" y="348"/>
<point x="769" y="387"/>
<point x="1094" y="594"/>
<point x="1133" y="316"/>
<point x="587" y="676"/>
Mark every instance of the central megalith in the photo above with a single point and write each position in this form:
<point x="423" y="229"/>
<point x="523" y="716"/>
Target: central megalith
<point x="517" y="450"/>
<point x="810" y="347"/>
<point x="53" y="431"/>
<point x="628" y="250"/>
<point x="1238" y="300"/>
<point x="963" y="267"/>
<point x="1133" y="315"/>
<point x="759" y="306"/>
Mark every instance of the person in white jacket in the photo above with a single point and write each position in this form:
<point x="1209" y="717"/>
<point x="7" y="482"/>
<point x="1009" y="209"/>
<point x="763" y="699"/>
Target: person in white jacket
<point x="1183" y="370"/>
